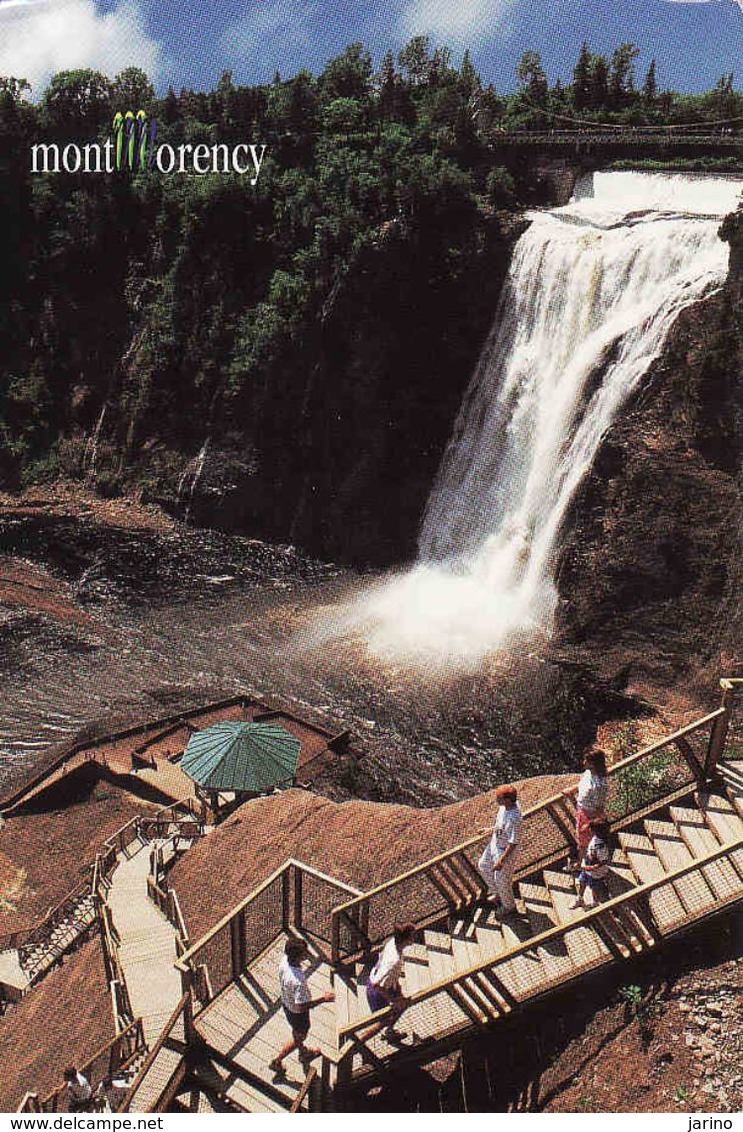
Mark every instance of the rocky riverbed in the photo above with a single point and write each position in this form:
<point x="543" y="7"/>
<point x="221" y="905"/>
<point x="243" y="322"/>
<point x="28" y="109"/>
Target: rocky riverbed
<point x="140" y="612"/>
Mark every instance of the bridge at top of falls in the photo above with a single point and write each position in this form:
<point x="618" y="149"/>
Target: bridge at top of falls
<point x="624" y="142"/>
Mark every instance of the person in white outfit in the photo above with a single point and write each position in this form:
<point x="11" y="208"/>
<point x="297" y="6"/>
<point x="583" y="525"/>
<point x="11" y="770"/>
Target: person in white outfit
<point x="498" y="861"/>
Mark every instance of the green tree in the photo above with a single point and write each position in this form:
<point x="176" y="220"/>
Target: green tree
<point x="598" y="98"/>
<point x="622" y="75"/>
<point x="132" y="90"/>
<point x="81" y="97"/>
<point x="650" y="86"/>
<point x="415" y="59"/>
<point x="532" y="78"/>
<point x="581" y="87"/>
<point x="348" y="75"/>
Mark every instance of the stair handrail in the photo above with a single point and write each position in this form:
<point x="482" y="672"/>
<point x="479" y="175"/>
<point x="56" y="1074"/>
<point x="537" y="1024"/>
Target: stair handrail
<point x="632" y="895"/>
<point x="180" y="1010"/>
<point x="122" y="1043"/>
<point x="304" y="1090"/>
<point x="289" y="918"/>
<point x="346" y="910"/>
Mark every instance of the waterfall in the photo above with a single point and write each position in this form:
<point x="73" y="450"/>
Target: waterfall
<point x="90" y="455"/>
<point x="192" y="473"/>
<point x="591" y="294"/>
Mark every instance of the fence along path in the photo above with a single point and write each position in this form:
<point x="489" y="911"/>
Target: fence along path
<point x="680" y="829"/>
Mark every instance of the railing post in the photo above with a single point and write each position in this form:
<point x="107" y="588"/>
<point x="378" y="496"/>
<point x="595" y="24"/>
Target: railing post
<point x="719" y="733"/>
<point x="188" y="1030"/>
<point x="237" y="943"/>
<point x="298" y="882"/>
<point x="335" y="937"/>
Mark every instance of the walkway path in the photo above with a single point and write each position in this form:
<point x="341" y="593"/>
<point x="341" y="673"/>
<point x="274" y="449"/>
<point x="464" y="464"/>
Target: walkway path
<point x="147" y="950"/>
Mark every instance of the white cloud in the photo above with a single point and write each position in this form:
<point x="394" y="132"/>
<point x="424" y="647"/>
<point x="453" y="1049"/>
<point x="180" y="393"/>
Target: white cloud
<point x="456" y="21"/>
<point x="40" y="37"/>
<point x="270" y="30"/>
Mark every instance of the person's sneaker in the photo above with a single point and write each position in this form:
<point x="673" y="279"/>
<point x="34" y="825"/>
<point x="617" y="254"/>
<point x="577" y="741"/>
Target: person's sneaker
<point x="309" y="1055"/>
<point x="577" y="904"/>
<point x="277" y="1067"/>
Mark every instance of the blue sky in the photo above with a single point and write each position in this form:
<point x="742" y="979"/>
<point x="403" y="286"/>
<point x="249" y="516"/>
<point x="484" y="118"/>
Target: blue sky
<point x="190" y="42"/>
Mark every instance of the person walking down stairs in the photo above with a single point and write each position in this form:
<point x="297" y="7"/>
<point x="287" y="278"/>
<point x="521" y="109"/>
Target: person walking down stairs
<point x="593" y="791"/>
<point x="498" y="861"/>
<point x="297" y="1003"/>
<point x="383" y="986"/>
<point x="594" y="868"/>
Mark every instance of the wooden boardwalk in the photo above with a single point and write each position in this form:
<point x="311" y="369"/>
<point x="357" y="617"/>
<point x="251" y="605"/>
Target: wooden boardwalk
<point x="213" y="1018"/>
<point x="146" y="945"/>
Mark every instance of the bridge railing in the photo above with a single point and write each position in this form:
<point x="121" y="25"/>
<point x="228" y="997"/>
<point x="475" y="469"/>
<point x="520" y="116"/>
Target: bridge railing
<point x="450" y="881"/>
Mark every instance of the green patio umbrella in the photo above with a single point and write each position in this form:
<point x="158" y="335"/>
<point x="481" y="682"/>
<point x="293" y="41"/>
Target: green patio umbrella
<point x="244" y="757"/>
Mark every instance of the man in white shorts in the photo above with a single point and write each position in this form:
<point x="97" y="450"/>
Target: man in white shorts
<point x="498" y="861"/>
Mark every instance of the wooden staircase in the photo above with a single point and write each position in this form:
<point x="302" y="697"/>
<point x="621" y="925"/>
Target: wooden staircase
<point x="677" y="809"/>
<point x="479" y="966"/>
<point x="674" y="867"/>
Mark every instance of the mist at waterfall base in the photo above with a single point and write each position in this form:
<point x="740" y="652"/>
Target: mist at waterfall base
<point x="592" y="292"/>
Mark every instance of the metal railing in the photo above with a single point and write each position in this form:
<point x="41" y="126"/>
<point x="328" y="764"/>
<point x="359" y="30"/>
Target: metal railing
<point x="450" y="881"/>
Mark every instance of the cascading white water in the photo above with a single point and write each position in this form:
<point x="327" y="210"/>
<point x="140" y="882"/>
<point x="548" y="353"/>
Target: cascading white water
<point x="591" y="294"/>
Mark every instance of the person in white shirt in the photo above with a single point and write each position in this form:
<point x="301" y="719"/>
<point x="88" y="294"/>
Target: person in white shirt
<point x="79" y="1091"/>
<point x="498" y="861"/>
<point x="593" y="791"/>
<point x="297" y="1003"/>
<point x="594" y="869"/>
<point x="383" y="985"/>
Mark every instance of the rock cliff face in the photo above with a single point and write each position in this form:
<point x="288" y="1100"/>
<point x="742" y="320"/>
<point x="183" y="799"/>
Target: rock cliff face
<point x="651" y="578"/>
<point x="345" y="462"/>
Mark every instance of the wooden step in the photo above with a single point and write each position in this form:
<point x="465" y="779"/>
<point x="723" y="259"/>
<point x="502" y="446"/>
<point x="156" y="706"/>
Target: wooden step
<point x="700" y="841"/>
<point x="155" y="1082"/>
<point x="725" y="821"/>
<point x="732" y="772"/>
<point x="239" y="1092"/>
<point x="350" y="1000"/>
<point x="467" y="952"/>
<point x="664" y="904"/>
<point x="417" y="971"/>
<point x="491" y="939"/>
<point x="443" y="967"/>
<point x="584" y="945"/>
<point x="520" y="975"/>
<point x="693" y="891"/>
<point x="638" y="928"/>
<point x="542" y="918"/>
